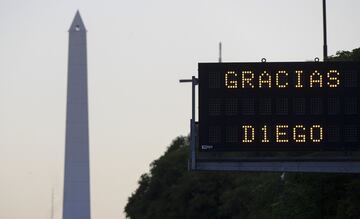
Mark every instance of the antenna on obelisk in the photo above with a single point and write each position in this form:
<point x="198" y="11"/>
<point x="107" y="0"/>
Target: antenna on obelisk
<point x="220" y="52"/>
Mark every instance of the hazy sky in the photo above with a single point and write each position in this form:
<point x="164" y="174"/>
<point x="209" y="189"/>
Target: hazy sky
<point x="137" y="51"/>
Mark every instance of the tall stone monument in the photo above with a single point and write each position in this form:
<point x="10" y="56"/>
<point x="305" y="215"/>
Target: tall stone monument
<point x="76" y="203"/>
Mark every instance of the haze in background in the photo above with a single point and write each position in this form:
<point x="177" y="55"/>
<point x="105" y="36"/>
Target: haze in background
<point x="137" y="51"/>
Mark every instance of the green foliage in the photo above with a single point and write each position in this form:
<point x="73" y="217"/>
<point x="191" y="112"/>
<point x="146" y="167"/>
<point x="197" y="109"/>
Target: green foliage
<point x="169" y="191"/>
<point x="346" y="56"/>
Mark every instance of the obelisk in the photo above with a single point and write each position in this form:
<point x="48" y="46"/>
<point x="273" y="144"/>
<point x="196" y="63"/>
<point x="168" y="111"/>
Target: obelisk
<point x="76" y="202"/>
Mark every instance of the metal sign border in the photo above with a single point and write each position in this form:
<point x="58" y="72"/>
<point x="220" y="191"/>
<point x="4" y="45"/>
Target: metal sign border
<point x="310" y="165"/>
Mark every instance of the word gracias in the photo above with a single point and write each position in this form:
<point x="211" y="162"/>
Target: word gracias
<point x="297" y="79"/>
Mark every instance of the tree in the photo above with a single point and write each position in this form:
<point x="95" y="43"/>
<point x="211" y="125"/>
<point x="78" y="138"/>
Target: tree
<point x="346" y="56"/>
<point x="170" y="191"/>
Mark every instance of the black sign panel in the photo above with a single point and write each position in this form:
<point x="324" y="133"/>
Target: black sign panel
<point x="307" y="106"/>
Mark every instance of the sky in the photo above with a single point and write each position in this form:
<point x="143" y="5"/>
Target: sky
<point x="137" y="52"/>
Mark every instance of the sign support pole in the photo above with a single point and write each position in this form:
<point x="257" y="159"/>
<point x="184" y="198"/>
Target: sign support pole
<point x="193" y="133"/>
<point x="325" y="51"/>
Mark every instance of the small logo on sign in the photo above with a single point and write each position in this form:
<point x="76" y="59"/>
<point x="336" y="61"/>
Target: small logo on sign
<point x="206" y="147"/>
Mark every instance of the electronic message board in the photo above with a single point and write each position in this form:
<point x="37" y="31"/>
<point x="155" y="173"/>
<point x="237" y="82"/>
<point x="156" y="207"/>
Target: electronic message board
<point x="280" y="106"/>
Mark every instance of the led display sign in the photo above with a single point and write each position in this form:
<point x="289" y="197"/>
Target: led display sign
<point x="303" y="106"/>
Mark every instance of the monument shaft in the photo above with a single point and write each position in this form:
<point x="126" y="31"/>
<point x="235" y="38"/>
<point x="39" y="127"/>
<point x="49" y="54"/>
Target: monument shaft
<point x="76" y="203"/>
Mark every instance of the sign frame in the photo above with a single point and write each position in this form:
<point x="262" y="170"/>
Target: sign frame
<point x="332" y="164"/>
